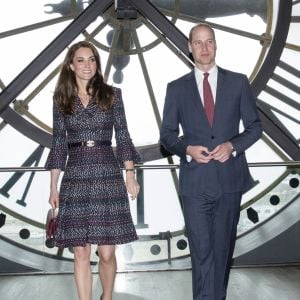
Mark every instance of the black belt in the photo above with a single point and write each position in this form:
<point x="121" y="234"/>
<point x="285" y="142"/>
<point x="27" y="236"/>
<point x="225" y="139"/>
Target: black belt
<point x="89" y="143"/>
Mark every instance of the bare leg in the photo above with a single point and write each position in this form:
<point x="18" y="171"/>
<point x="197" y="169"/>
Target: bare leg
<point x="107" y="269"/>
<point x="82" y="272"/>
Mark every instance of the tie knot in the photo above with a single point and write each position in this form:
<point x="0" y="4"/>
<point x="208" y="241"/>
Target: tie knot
<point x="205" y="75"/>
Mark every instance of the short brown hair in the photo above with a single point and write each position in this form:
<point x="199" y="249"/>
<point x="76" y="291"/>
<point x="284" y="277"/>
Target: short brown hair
<point x="200" y="25"/>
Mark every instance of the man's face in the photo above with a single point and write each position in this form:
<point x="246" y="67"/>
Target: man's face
<point x="203" y="47"/>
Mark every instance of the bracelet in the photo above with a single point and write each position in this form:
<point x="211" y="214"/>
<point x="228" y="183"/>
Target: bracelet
<point x="130" y="170"/>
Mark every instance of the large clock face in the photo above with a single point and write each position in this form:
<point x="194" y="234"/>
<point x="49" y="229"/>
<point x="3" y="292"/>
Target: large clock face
<point x="140" y="55"/>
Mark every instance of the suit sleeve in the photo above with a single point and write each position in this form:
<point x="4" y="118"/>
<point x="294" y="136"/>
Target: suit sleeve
<point x="250" y="118"/>
<point x="169" y="132"/>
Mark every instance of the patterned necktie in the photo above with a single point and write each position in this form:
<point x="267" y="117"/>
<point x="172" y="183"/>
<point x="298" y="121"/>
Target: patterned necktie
<point x="208" y="100"/>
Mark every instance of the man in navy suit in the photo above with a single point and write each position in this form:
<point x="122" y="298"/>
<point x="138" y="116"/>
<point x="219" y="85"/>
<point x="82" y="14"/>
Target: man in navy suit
<point x="213" y="168"/>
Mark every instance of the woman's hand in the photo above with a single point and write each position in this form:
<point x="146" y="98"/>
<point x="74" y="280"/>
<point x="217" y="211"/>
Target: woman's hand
<point x="132" y="185"/>
<point x="54" y="195"/>
<point x="54" y="199"/>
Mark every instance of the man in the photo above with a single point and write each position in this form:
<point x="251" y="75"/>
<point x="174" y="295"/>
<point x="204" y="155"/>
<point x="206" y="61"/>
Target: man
<point x="213" y="167"/>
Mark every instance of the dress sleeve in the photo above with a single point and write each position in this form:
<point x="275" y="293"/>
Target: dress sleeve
<point x="58" y="152"/>
<point x="125" y="150"/>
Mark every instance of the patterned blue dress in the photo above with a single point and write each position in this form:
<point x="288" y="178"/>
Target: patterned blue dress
<point x="94" y="205"/>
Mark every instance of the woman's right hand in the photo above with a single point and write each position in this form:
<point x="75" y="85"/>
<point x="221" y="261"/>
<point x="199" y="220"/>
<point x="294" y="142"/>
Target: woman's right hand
<point x="54" y="199"/>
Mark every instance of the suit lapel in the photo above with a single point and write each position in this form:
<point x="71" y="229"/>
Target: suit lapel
<point x="193" y="94"/>
<point x="219" y="101"/>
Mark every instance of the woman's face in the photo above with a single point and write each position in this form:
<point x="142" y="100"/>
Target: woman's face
<point x="84" y="64"/>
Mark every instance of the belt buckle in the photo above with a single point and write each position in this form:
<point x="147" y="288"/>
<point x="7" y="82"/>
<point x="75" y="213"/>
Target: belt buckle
<point x="90" y="143"/>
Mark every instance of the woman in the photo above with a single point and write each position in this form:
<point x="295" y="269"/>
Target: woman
<point x="93" y="201"/>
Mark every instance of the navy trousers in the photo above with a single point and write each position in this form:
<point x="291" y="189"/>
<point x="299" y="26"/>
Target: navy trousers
<point x="211" y="225"/>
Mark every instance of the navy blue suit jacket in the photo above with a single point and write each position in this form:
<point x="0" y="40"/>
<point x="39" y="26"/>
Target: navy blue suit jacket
<point x="183" y="107"/>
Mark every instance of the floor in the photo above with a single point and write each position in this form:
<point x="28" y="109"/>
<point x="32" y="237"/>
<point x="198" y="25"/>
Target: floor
<point x="263" y="283"/>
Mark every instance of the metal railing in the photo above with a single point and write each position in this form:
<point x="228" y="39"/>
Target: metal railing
<point x="160" y="167"/>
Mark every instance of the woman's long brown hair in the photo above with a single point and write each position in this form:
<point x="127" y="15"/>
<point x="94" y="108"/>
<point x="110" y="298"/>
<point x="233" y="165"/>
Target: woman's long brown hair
<point x="66" y="88"/>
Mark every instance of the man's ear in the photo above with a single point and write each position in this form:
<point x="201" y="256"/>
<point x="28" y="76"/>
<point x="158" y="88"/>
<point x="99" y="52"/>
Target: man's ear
<point x="190" y="47"/>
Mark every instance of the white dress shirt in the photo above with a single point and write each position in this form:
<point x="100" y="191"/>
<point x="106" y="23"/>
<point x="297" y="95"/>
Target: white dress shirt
<point x="212" y="79"/>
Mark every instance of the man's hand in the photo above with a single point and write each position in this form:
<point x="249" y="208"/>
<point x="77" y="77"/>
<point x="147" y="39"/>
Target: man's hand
<point x="199" y="153"/>
<point x="222" y="152"/>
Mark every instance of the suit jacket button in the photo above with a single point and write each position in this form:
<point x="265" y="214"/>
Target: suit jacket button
<point x="212" y="137"/>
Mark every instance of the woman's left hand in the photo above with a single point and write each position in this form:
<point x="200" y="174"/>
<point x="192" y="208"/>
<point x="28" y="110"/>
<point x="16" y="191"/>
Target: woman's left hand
<point x="132" y="185"/>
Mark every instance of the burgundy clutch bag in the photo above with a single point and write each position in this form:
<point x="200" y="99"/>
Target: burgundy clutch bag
<point x="51" y="226"/>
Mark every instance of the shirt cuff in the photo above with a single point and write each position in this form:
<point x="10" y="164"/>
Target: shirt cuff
<point x="188" y="158"/>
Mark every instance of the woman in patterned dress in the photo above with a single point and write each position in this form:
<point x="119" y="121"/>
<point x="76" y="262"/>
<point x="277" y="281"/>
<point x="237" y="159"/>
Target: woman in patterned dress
<point x="92" y="199"/>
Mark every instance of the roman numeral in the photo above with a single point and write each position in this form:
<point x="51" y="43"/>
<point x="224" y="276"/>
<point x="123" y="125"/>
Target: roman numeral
<point x="284" y="95"/>
<point x="33" y="159"/>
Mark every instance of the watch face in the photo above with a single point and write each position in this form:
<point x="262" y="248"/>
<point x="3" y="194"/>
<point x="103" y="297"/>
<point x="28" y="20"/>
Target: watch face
<point x="141" y="55"/>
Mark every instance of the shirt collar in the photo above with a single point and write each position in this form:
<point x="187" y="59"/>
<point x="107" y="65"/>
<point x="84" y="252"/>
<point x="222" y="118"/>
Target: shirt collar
<point x="213" y="72"/>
